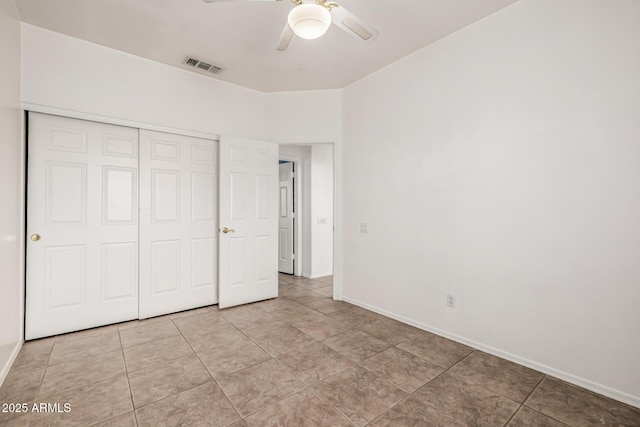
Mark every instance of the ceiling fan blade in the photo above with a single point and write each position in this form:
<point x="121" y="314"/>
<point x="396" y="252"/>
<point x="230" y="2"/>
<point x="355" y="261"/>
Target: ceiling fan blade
<point x="352" y="24"/>
<point x="285" y="38"/>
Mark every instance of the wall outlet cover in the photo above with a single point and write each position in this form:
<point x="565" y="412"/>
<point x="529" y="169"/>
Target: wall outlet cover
<point x="451" y="301"/>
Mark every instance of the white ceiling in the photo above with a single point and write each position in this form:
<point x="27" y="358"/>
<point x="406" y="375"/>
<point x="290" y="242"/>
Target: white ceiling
<point x="242" y="36"/>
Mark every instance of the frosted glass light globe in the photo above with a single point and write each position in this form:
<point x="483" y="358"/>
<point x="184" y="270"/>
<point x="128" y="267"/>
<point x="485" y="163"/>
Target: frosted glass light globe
<point x="309" y="21"/>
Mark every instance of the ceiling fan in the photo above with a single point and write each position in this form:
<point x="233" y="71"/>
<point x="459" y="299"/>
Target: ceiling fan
<point x="311" y="20"/>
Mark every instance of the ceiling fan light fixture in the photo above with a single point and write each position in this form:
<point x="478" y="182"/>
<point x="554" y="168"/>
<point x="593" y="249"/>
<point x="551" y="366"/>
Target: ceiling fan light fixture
<point x="309" y="21"/>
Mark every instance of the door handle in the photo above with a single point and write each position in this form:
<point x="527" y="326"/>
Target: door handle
<point x="35" y="237"/>
<point x="228" y="230"/>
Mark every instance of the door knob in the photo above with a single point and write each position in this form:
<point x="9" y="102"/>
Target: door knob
<point x="228" y="230"/>
<point x="35" y="237"/>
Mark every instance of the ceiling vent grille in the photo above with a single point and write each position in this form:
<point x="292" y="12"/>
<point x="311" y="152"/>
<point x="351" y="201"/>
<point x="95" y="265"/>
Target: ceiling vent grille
<point x="201" y="65"/>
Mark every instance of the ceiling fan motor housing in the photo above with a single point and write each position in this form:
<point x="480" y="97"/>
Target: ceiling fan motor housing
<point x="309" y="21"/>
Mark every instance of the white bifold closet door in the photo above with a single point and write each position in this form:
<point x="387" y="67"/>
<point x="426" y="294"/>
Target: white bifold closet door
<point x="82" y="225"/>
<point x="178" y="223"/>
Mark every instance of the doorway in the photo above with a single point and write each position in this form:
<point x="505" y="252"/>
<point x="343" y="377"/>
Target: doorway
<point x="312" y="207"/>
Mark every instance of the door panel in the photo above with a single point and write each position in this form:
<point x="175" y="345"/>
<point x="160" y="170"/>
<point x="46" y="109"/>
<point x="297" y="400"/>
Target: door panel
<point x="82" y="202"/>
<point x="120" y="146"/>
<point x="120" y="272"/>
<point x="165" y="196"/>
<point x="119" y="194"/>
<point x="66" y="193"/>
<point x="203" y="197"/>
<point x="66" y="276"/>
<point x="178" y="237"/>
<point x="203" y="275"/>
<point x="285" y="219"/>
<point x="248" y="208"/>
<point x="165" y="268"/>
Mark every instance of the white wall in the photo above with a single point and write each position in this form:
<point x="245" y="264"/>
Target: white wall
<point x="70" y="74"/>
<point x="321" y="210"/>
<point x="305" y="116"/>
<point x="11" y="178"/>
<point x="501" y="164"/>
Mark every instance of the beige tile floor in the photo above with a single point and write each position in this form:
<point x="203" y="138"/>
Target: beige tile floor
<point x="299" y="360"/>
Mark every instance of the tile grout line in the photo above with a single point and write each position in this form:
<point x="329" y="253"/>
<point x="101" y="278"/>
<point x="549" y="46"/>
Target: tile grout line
<point x="306" y="386"/>
<point x="327" y="402"/>
<point x="250" y="366"/>
<point x="80" y="358"/>
<point x="545" y="376"/>
<point x="357" y="364"/>
<point x="310" y="386"/>
<point x="520" y="404"/>
<point x="168" y="361"/>
<point x="208" y="372"/>
<point x="276" y="360"/>
<point x="46" y="368"/>
<point x="501" y="394"/>
<point x="126" y="370"/>
<point x="407" y="397"/>
<point x="44" y="374"/>
<point x="549" y="416"/>
<point x="437" y="376"/>
<point x="533" y="389"/>
<point x="75" y="387"/>
<point x="409" y="394"/>
<point x="279" y="363"/>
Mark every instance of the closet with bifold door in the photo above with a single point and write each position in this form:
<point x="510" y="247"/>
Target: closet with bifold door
<point x="121" y="224"/>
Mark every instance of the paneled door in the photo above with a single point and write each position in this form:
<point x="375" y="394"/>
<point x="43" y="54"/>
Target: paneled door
<point x="248" y="233"/>
<point x="178" y="223"/>
<point x="82" y="225"/>
<point x="285" y="219"/>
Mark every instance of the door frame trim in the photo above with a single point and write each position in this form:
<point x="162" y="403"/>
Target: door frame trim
<point x="337" y="284"/>
<point x="36" y="108"/>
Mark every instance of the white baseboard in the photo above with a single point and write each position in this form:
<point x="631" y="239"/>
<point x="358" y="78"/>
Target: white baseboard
<point x="315" y="276"/>
<point x="4" y="371"/>
<point x="570" y="378"/>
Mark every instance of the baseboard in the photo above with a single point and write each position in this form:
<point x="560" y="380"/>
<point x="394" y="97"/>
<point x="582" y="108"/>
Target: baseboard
<point x="581" y="382"/>
<point x="7" y="366"/>
<point x="315" y="276"/>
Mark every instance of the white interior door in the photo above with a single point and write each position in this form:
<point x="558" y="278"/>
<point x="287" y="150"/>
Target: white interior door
<point x="82" y="223"/>
<point x="285" y="219"/>
<point x="178" y="238"/>
<point x="248" y="221"/>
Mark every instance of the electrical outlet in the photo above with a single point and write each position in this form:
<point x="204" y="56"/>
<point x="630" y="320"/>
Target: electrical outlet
<point x="364" y="227"/>
<point x="451" y="301"/>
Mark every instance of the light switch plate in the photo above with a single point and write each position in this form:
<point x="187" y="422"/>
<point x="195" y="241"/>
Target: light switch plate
<point x="364" y="227"/>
